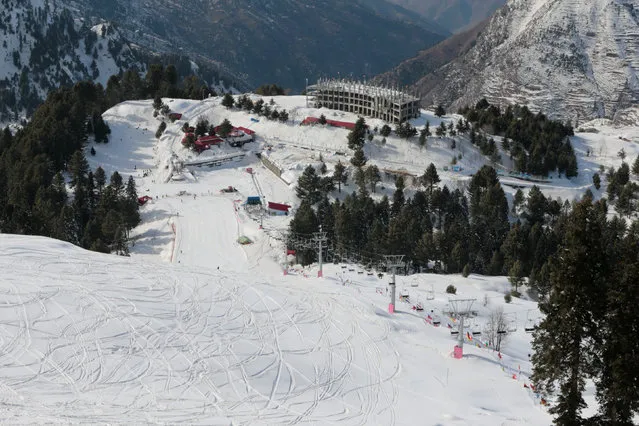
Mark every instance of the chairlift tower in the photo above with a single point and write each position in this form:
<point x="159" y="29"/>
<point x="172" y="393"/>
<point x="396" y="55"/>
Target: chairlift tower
<point x="320" y="237"/>
<point x="393" y="261"/>
<point x="461" y="309"/>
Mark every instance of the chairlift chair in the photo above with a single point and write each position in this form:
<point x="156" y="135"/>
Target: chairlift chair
<point x="475" y="330"/>
<point x="531" y="323"/>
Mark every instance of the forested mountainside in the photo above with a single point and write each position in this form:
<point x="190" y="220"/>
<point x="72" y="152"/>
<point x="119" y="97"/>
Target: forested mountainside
<point x="45" y="46"/>
<point x="273" y="41"/>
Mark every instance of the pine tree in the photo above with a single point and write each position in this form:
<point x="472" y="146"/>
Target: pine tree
<point x="398" y="196"/>
<point x="359" y="159"/>
<point x="116" y="183"/>
<point x="373" y="176"/>
<point x="228" y="101"/>
<point x="130" y="210"/>
<point x="157" y="102"/>
<point x="360" y="181"/>
<point x="304" y="224"/>
<point x="100" y="179"/>
<point x="516" y="275"/>
<point x="441" y="130"/>
<point x="440" y="111"/>
<point x="565" y="342"/>
<point x="258" y="106"/>
<point x="78" y="169"/>
<point x="225" y="128"/>
<point x="356" y="137"/>
<point x="596" y="181"/>
<point x="635" y="166"/>
<point x="385" y="131"/>
<point x="340" y="175"/>
<point x="617" y="391"/>
<point x="422" y="138"/>
<point x="201" y="127"/>
<point x="430" y="178"/>
<point x="308" y="186"/>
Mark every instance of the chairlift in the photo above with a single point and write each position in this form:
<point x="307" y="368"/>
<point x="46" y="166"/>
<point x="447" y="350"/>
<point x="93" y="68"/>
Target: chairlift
<point x="531" y="323"/>
<point x="418" y="306"/>
<point x="437" y="320"/>
<point x="475" y="330"/>
<point x="530" y="326"/>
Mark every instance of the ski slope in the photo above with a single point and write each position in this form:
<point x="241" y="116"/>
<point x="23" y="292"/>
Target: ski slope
<point x="93" y="338"/>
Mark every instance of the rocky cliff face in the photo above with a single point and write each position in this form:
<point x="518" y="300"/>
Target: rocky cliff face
<point x="572" y="59"/>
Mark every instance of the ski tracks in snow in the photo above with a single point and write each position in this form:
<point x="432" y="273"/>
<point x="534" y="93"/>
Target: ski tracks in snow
<point x="106" y="341"/>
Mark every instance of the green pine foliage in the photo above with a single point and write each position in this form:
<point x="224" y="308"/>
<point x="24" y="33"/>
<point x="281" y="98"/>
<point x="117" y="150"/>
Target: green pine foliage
<point x="225" y="128"/>
<point x="538" y="145"/>
<point x="32" y="189"/>
<point x="270" y="90"/>
<point x="356" y="137"/>
<point x="340" y="175"/>
<point x="359" y="159"/>
<point x="228" y="101"/>
<point x="309" y="186"/>
<point x="566" y="342"/>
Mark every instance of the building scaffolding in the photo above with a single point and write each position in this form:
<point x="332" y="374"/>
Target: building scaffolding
<point x="390" y="104"/>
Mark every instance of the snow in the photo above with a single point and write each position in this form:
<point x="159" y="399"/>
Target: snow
<point x="164" y="336"/>
<point x="96" y="338"/>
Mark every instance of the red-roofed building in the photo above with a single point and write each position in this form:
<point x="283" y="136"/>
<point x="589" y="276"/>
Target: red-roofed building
<point x="209" y="140"/>
<point x="278" y="209"/>
<point x="246" y="131"/>
<point x="238" y="136"/>
<point x="342" y="124"/>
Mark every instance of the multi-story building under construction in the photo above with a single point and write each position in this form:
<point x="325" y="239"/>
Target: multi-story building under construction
<point x="389" y="104"/>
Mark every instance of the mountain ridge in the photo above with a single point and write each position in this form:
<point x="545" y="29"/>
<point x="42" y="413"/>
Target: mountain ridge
<point x="274" y="41"/>
<point x="573" y="60"/>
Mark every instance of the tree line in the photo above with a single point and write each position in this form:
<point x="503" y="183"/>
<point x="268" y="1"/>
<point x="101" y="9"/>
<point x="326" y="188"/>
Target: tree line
<point x="536" y="144"/>
<point x="579" y="261"/>
<point x="34" y="162"/>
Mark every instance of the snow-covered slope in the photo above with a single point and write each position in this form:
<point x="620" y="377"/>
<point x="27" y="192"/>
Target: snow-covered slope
<point x="572" y="59"/>
<point x="93" y="338"/>
<point x="44" y="47"/>
<point x="166" y="337"/>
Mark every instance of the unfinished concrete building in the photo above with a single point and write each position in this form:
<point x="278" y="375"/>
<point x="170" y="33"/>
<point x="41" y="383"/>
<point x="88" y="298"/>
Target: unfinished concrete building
<point x="386" y="103"/>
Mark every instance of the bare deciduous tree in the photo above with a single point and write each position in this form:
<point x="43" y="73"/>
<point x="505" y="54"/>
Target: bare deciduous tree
<point x="495" y="328"/>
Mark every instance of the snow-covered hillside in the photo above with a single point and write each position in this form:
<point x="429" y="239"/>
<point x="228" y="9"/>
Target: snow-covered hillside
<point x="291" y="147"/>
<point x="196" y="328"/>
<point x="43" y="47"/>
<point x="571" y="59"/>
<point x="94" y="338"/>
